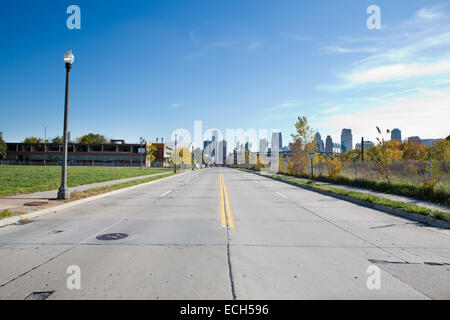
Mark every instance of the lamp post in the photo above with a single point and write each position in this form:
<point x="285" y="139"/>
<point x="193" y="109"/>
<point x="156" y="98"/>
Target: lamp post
<point x="311" y="156"/>
<point x="63" y="192"/>
<point x="192" y="155"/>
<point x="175" y="167"/>
<point x="142" y="140"/>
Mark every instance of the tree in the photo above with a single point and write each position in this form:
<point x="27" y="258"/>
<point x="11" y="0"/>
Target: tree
<point x="150" y="153"/>
<point x="384" y="153"/>
<point x="440" y="150"/>
<point x="353" y="156"/>
<point x="3" y="147"/>
<point x="334" y="167"/>
<point x="305" y="134"/>
<point x="58" y="140"/>
<point x="32" y="140"/>
<point x="299" y="158"/>
<point x="434" y="175"/>
<point x="304" y="142"/>
<point x="92" y="138"/>
<point x="412" y="150"/>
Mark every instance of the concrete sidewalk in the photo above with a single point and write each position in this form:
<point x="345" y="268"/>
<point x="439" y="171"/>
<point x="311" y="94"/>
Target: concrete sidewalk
<point x="393" y="197"/>
<point x="17" y="202"/>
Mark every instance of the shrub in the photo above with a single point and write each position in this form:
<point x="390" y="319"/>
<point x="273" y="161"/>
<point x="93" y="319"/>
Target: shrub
<point x="334" y="168"/>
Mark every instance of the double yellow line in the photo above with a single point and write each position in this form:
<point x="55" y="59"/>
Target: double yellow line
<point x="225" y="208"/>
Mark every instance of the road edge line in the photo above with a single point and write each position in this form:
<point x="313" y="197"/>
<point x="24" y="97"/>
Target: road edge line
<point x="38" y="213"/>
<point x="396" y="212"/>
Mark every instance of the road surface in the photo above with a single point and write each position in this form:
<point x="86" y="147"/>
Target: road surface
<point x="222" y="233"/>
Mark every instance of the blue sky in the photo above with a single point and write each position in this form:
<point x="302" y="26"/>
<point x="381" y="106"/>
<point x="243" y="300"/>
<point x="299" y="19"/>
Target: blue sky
<point x="146" y="68"/>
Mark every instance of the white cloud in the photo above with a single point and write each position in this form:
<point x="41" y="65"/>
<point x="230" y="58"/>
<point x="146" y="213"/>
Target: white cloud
<point x="399" y="71"/>
<point x="297" y="37"/>
<point x="339" y="49"/>
<point x="254" y="45"/>
<point x="176" y="105"/>
<point x="331" y="110"/>
<point x="285" y="105"/>
<point x="425" y="115"/>
<point x="431" y="13"/>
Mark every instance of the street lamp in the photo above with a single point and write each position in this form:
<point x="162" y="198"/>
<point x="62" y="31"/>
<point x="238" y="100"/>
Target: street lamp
<point x="63" y="192"/>
<point x="141" y="151"/>
<point x="175" y="167"/>
<point x="192" y="155"/>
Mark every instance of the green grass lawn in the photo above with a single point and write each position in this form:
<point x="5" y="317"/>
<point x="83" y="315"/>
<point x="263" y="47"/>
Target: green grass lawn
<point x="28" y="179"/>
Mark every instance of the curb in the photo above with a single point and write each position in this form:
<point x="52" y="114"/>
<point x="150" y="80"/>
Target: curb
<point x="396" y="212"/>
<point x="38" y="213"/>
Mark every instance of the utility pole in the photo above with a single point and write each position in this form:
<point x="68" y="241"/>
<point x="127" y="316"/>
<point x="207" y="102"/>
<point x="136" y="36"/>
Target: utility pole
<point x="192" y="155"/>
<point x="45" y="144"/>
<point x="362" y="149"/>
<point x="175" y="160"/>
<point x="142" y="141"/>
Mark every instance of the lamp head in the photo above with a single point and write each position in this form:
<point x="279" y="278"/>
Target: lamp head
<point x="68" y="57"/>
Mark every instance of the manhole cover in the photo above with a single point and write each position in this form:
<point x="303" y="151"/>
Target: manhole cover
<point x="112" y="236"/>
<point x="39" y="295"/>
<point x="35" y="203"/>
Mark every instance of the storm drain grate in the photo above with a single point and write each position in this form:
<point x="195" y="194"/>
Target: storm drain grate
<point x="39" y="295"/>
<point x="112" y="236"/>
<point x="35" y="203"/>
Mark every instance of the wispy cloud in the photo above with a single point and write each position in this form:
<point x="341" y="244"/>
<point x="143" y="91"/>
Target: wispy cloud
<point x="254" y="45"/>
<point x="399" y="72"/>
<point x="339" y="49"/>
<point x="285" y="105"/>
<point x="430" y="13"/>
<point x="195" y="55"/>
<point x="419" y="53"/>
<point x="176" y="105"/>
<point x="330" y="110"/>
<point x="406" y="113"/>
<point x="297" y="37"/>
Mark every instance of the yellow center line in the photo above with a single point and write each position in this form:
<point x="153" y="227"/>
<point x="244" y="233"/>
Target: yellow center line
<point x="229" y="212"/>
<point x="222" y="205"/>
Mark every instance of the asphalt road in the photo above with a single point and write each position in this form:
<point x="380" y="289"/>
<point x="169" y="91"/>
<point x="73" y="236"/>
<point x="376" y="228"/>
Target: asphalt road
<point x="221" y="234"/>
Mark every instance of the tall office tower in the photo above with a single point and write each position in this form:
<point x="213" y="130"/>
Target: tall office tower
<point x="329" y="145"/>
<point x="206" y="144"/>
<point x="263" y="146"/>
<point x="319" y="142"/>
<point x="277" y="142"/>
<point x="346" y="140"/>
<point x="221" y="151"/>
<point x="396" y="134"/>
<point x="214" y="141"/>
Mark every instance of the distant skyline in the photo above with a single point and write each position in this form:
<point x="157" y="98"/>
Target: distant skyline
<point x="147" y="68"/>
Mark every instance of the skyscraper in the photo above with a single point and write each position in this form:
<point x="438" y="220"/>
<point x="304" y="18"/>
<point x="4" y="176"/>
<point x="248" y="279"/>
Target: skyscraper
<point x="329" y="145"/>
<point x="221" y="152"/>
<point x="346" y="140"/>
<point x="214" y="143"/>
<point x="396" y="134"/>
<point x="263" y="146"/>
<point x="319" y="142"/>
<point x="277" y="142"/>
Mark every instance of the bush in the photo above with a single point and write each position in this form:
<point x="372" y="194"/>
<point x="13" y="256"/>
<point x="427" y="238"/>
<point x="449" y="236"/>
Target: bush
<point x="334" y="168"/>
